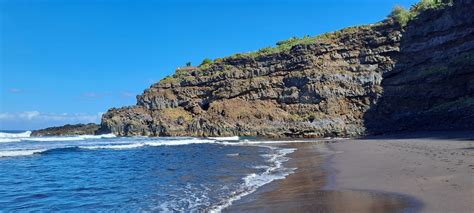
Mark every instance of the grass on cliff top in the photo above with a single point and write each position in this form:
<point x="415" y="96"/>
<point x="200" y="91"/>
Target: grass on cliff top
<point x="399" y="14"/>
<point x="281" y="46"/>
<point x="286" y="45"/>
<point x="402" y="16"/>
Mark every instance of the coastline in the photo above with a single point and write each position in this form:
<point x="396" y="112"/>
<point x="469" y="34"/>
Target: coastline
<point x="413" y="172"/>
<point x="304" y="190"/>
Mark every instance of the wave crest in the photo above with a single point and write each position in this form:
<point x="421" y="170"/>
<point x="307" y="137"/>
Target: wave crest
<point x="15" y="153"/>
<point x="15" y="135"/>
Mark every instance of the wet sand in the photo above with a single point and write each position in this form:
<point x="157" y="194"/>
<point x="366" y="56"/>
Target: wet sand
<point x="437" y="169"/>
<point x="303" y="191"/>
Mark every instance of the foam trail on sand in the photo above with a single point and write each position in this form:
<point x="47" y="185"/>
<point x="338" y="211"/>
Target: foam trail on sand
<point x="253" y="181"/>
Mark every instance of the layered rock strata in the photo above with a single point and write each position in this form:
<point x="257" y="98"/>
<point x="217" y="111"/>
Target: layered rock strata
<point x="360" y="80"/>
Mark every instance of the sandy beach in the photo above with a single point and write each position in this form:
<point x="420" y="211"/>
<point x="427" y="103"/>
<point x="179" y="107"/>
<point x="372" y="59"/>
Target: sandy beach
<point x="303" y="191"/>
<point x="410" y="173"/>
<point x="438" y="169"/>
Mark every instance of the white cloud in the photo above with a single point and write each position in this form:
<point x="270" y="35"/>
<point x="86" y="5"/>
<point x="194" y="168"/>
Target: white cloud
<point x="36" y="119"/>
<point x="28" y="115"/>
<point x="5" y="116"/>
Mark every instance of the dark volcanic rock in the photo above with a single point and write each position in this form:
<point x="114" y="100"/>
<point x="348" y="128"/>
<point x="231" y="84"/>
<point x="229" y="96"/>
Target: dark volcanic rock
<point x="370" y="79"/>
<point x="68" y="130"/>
<point x="431" y="86"/>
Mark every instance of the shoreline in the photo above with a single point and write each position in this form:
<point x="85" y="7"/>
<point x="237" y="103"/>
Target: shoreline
<point x="413" y="172"/>
<point x="303" y="191"/>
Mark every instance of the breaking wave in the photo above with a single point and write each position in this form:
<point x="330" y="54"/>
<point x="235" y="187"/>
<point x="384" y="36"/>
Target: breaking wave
<point x="254" y="181"/>
<point x="15" y="153"/>
<point x="269" y="167"/>
<point x="6" y="137"/>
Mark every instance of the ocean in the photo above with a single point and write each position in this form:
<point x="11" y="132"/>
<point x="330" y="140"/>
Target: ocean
<point x="130" y="174"/>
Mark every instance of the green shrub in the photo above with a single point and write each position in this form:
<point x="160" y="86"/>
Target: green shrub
<point x="180" y="72"/>
<point x="281" y="46"/>
<point x="218" y="60"/>
<point x="401" y="15"/>
<point x="188" y="64"/>
<point x="206" y="61"/>
<point x="430" y="4"/>
<point x="168" y="80"/>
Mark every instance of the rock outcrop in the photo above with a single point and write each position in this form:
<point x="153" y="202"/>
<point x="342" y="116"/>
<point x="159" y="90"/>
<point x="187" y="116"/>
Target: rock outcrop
<point x="369" y="79"/>
<point x="68" y="130"/>
<point x="432" y="84"/>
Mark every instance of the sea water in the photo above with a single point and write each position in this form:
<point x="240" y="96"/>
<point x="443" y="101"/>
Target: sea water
<point x="108" y="173"/>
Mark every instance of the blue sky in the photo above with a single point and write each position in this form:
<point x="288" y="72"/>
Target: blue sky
<point x="68" y="61"/>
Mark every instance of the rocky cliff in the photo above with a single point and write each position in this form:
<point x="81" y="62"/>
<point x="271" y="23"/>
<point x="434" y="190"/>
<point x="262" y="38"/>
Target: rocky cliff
<point x="432" y="84"/>
<point x="368" y="79"/>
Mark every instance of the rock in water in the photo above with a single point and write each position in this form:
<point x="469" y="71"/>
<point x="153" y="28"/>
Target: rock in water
<point x="369" y="79"/>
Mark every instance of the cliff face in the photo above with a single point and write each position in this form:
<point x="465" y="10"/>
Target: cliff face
<point x="368" y="79"/>
<point x="432" y="84"/>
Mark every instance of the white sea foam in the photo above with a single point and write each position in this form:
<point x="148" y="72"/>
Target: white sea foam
<point x="8" y="140"/>
<point x="14" y="153"/>
<point x="179" y="142"/>
<point x="15" y="135"/>
<point x="150" y="143"/>
<point x="250" y="183"/>
<point x="232" y="138"/>
<point x="253" y="181"/>
<point x="120" y="146"/>
<point x="46" y="139"/>
<point x="97" y="136"/>
<point x="233" y="154"/>
<point x="68" y="138"/>
<point x="26" y="136"/>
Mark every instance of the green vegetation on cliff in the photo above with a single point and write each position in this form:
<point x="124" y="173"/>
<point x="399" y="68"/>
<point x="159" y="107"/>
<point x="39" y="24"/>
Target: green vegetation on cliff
<point x="373" y="79"/>
<point x="399" y="14"/>
<point x="286" y="45"/>
<point x="184" y="73"/>
<point x="402" y="16"/>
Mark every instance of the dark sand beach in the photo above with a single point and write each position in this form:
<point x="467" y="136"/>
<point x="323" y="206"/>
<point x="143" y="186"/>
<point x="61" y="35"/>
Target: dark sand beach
<point x="435" y="168"/>
<point x="303" y="191"/>
<point x="409" y="173"/>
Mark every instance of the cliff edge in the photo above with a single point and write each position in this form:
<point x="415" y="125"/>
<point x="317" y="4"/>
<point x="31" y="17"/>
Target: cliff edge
<point x="361" y="80"/>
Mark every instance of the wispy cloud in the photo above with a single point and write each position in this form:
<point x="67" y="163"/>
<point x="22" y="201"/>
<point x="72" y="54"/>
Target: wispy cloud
<point x="127" y="94"/>
<point x="29" y="115"/>
<point x="36" y="119"/>
<point x="15" y="90"/>
<point x="95" y="94"/>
